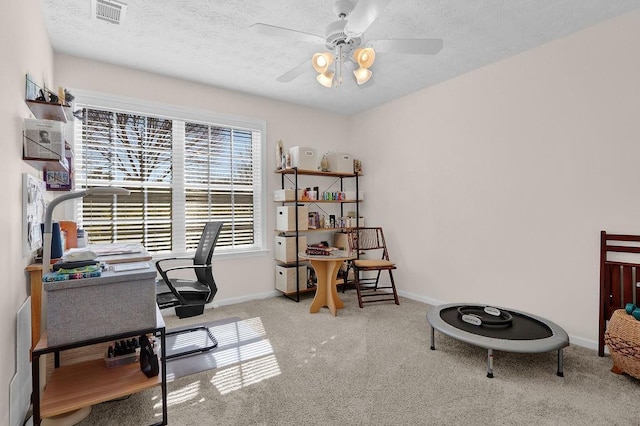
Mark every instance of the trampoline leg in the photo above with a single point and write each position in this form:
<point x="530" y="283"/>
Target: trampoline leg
<point x="490" y="363"/>
<point x="560" y="373"/>
<point x="433" y="344"/>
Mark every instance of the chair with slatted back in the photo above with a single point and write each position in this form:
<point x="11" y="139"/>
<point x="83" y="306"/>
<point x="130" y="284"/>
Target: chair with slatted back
<point x="372" y="260"/>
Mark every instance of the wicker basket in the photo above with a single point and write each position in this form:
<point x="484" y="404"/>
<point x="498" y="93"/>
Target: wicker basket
<point x="623" y="339"/>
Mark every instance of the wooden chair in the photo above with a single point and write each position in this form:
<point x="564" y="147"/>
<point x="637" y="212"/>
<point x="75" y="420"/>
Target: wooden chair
<point x="619" y="277"/>
<point x="373" y="258"/>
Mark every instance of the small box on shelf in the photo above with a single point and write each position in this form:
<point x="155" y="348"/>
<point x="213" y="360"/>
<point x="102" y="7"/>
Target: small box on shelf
<point x="286" y="195"/>
<point x="286" y="218"/>
<point x="304" y="158"/>
<point x="340" y="162"/>
<point x="285" y="247"/>
<point x="286" y="278"/>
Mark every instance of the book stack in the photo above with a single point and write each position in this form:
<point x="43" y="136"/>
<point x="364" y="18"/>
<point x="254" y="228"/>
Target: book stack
<point x="63" y="274"/>
<point x="319" y="250"/>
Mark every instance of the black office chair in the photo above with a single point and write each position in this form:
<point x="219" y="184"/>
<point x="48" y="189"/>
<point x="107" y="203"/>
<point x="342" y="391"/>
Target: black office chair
<point x="190" y="296"/>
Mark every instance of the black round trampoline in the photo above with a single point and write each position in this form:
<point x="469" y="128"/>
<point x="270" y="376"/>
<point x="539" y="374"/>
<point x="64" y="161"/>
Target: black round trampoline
<point x="495" y="328"/>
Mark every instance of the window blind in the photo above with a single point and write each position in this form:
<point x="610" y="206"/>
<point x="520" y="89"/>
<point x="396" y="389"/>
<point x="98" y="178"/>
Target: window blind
<point x="181" y="173"/>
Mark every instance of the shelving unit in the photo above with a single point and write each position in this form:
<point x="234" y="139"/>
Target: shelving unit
<point x="54" y="111"/>
<point x="292" y="175"/>
<point x="88" y="383"/>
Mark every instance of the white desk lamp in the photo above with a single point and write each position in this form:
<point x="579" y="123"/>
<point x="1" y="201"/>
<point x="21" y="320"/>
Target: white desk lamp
<point x="46" y="248"/>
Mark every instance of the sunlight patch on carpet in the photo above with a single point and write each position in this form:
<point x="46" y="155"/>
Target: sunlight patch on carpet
<point x="246" y="374"/>
<point x="243" y="357"/>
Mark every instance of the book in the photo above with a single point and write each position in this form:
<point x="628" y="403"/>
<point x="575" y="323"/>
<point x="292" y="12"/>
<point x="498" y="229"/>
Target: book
<point x="90" y="271"/>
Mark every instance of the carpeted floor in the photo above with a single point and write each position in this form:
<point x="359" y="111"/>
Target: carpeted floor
<point x="373" y="366"/>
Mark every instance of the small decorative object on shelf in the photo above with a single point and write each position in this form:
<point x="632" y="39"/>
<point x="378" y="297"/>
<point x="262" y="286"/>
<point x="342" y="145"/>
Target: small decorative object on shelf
<point x="324" y="164"/>
<point x="357" y="167"/>
<point x="280" y="158"/>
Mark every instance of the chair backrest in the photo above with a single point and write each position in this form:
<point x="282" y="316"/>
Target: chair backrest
<point x="204" y="252"/>
<point x="362" y="240"/>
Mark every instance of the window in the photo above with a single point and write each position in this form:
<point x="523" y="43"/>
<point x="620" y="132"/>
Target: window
<point x="182" y="172"/>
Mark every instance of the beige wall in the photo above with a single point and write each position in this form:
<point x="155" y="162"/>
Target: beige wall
<point x="247" y="277"/>
<point x="494" y="186"/>
<point x="24" y="47"/>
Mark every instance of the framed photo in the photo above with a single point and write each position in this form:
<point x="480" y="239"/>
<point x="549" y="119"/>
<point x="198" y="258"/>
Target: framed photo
<point x="59" y="180"/>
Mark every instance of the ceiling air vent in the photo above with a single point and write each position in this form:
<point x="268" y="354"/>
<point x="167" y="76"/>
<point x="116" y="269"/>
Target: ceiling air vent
<point x="108" y="10"/>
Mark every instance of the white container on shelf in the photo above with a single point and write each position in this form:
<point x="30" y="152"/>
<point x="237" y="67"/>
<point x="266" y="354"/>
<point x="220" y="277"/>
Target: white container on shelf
<point x="286" y="278"/>
<point x="286" y="195"/>
<point x="304" y="158"/>
<point x="286" y="218"/>
<point x="340" y="162"/>
<point x="285" y="247"/>
<point x="351" y="195"/>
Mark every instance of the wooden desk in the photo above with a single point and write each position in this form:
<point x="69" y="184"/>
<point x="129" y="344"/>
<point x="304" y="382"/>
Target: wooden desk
<point x="326" y="268"/>
<point x="87" y="383"/>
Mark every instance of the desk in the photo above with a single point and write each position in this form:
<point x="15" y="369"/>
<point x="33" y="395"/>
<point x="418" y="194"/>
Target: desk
<point x="88" y="383"/>
<point x="326" y="268"/>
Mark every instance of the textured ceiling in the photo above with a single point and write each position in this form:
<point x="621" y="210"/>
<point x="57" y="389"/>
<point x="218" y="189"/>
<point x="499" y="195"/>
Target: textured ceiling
<point x="209" y="41"/>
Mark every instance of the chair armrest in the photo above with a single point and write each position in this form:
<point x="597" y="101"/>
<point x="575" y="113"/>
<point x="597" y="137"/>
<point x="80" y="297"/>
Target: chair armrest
<point x="175" y="268"/>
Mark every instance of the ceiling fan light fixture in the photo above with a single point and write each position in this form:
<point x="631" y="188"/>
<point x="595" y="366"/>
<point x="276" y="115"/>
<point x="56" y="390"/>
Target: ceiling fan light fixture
<point x="362" y="75"/>
<point x="364" y="56"/>
<point x="326" y="79"/>
<point x="322" y="61"/>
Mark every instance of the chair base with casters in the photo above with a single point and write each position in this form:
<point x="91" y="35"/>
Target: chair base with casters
<point x="369" y="287"/>
<point x="189" y="297"/>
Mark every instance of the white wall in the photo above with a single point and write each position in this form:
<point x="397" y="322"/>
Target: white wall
<point x="295" y="125"/>
<point x="493" y="187"/>
<point x="24" y="47"/>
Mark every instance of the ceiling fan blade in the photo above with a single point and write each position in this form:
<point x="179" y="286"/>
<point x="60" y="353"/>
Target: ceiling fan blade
<point x="272" y="30"/>
<point x="295" y="72"/>
<point x="363" y="15"/>
<point x="411" y="46"/>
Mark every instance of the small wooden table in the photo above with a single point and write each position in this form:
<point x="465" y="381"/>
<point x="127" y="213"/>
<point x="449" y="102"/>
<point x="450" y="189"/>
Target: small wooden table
<point x="326" y="268"/>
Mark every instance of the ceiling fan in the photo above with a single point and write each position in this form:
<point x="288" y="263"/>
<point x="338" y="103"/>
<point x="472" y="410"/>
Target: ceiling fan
<point x="346" y="45"/>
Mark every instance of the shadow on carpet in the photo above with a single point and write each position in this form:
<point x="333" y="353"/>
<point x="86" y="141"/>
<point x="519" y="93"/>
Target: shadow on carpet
<point x="238" y="341"/>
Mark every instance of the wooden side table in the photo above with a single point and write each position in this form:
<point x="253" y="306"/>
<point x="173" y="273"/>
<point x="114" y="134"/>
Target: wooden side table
<point x="326" y="268"/>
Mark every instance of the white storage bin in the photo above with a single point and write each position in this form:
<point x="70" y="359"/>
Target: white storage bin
<point x="286" y="278"/>
<point x="286" y="218"/>
<point x="285" y="247"/>
<point x="340" y="162"/>
<point x="286" y="195"/>
<point x="351" y="195"/>
<point x="304" y="158"/>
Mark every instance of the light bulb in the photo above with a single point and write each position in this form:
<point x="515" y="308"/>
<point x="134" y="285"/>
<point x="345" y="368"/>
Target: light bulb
<point x="326" y="79"/>
<point x="362" y="75"/>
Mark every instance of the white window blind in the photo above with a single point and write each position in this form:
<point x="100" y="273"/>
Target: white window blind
<point x="181" y="173"/>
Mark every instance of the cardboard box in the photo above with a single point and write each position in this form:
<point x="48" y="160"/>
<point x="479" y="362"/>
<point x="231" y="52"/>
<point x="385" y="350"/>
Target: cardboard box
<point x="286" y="278"/>
<point x="286" y="195"/>
<point x="116" y="302"/>
<point x="285" y="248"/>
<point x="340" y="162"/>
<point x="286" y="218"/>
<point x="304" y="158"/>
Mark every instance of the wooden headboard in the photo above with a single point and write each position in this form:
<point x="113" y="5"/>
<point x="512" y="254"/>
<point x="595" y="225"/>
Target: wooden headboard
<point x="619" y="273"/>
